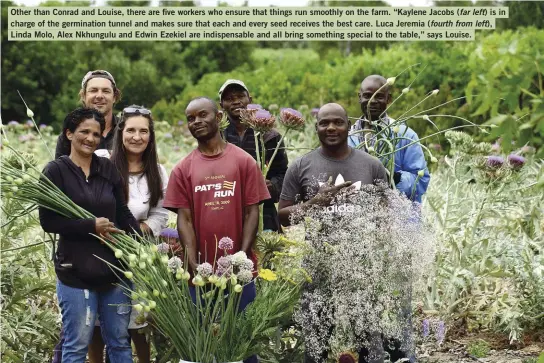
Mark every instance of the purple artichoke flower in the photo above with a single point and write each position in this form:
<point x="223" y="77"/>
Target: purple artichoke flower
<point x="495" y="161"/>
<point x="291" y="118"/>
<point x="254" y="106"/>
<point x="315" y="111"/>
<point x="516" y="161"/>
<point x="169" y="233"/>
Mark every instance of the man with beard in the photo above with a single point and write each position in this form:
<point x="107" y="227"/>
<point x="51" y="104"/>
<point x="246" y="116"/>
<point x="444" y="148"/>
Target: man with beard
<point x="216" y="191"/>
<point x="98" y="91"/>
<point x="234" y="96"/>
<point x="409" y="162"/>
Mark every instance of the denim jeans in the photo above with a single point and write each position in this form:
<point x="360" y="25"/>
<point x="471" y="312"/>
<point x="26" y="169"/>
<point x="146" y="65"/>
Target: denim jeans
<point x="79" y="308"/>
<point x="248" y="295"/>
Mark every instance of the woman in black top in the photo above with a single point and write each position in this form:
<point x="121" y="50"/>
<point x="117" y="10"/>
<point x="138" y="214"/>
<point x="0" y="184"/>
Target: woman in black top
<point x="85" y="284"/>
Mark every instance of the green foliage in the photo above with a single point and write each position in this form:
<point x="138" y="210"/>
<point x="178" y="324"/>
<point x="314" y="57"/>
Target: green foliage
<point x="478" y="349"/>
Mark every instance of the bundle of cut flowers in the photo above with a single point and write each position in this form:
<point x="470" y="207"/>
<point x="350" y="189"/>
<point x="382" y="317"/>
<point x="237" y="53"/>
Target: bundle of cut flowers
<point x="204" y="327"/>
<point x="368" y="259"/>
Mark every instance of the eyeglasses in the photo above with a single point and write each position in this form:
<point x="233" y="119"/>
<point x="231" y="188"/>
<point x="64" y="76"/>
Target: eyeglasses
<point x="141" y="111"/>
<point x="99" y="72"/>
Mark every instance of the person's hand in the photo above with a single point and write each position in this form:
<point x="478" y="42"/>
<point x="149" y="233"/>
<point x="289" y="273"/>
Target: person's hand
<point x="145" y="228"/>
<point x="104" y="227"/>
<point x="327" y="192"/>
<point x="269" y="185"/>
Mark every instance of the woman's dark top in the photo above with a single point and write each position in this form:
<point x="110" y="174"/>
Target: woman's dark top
<point x="102" y="195"/>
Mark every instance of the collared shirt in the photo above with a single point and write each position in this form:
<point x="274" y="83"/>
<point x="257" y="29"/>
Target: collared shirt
<point x="409" y="160"/>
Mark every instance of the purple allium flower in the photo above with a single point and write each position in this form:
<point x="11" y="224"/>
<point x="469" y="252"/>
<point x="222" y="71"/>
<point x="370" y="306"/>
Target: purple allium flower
<point x="226" y="243"/>
<point x="254" y="106"/>
<point x="163" y="247"/>
<point x="175" y="263"/>
<point x="244" y="276"/>
<point x="440" y="332"/>
<point x="180" y="122"/>
<point x="315" y="111"/>
<point x="169" y="233"/>
<point x="224" y="262"/>
<point x="495" y="161"/>
<point x="516" y="161"/>
<point x="495" y="147"/>
<point x="426" y="328"/>
<point x="205" y="269"/>
<point x="168" y="135"/>
<point x="223" y="271"/>
<point x="291" y="118"/>
<point x="247" y="265"/>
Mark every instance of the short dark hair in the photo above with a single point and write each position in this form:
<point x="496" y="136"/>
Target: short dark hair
<point x="150" y="160"/>
<point x="214" y="104"/>
<point x="73" y="120"/>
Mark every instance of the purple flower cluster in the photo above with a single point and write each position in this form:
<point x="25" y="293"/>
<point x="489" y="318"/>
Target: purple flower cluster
<point x="169" y="233"/>
<point x="440" y="332"/>
<point x="315" y="111"/>
<point x="163" y="247"/>
<point x="226" y="243"/>
<point x="205" y="269"/>
<point x="254" y="106"/>
<point x="426" y="327"/>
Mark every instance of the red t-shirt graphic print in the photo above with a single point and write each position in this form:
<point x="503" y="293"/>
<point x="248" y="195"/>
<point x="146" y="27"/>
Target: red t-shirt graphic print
<point x="216" y="189"/>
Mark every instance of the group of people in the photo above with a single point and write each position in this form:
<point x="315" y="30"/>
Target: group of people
<point x="109" y="166"/>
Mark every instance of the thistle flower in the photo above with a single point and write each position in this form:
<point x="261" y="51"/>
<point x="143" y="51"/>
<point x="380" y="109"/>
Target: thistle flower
<point x="244" y="276"/>
<point x="516" y="161"/>
<point x="291" y="118"/>
<point x="426" y="327"/>
<point x="163" y="247"/>
<point x="205" y="269"/>
<point x="226" y="243"/>
<point x="264" y="121"/>
<point x="347" y="357"/>
<point x="175" y="263"/>
<point x="495" y="161"/>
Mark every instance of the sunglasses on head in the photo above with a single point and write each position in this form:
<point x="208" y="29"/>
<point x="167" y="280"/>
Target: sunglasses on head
<point x="141" y="111"/>
<point x="99" y="72"/>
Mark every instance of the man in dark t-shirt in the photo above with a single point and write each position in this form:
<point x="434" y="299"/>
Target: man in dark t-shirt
<point x="98" y="91"/>
<point x="234" y="96"/>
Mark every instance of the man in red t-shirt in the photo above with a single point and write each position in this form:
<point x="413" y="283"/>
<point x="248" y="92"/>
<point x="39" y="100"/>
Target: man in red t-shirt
<point x="215" y="190"/>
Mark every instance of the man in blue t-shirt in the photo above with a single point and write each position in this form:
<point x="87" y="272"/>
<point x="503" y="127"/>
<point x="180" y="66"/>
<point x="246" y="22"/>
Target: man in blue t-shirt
<point x="409" y="161"/>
